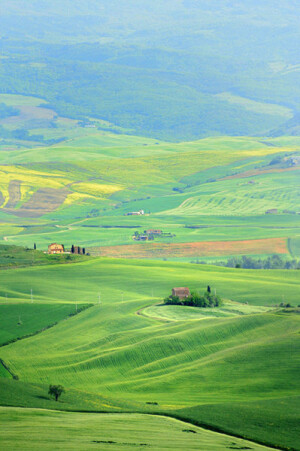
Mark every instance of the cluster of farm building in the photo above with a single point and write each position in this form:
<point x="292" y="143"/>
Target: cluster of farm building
<point x="150" y="234"/>
<point x="55" y="248"/>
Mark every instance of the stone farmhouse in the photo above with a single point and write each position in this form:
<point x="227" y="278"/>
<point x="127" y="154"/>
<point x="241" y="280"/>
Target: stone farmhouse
<point x="154" y="232"/>
<point x="181" y="292"/>
<point x="55" y="248"/>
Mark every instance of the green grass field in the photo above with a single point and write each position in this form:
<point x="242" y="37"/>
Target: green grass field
<point x="233" y="369"/>
<point x="50" y="429"/>
<point x="181" y="366"/>
<point x="60" y="192"/>
<point x="183" y="313"/>
<point x="20" y="320"/>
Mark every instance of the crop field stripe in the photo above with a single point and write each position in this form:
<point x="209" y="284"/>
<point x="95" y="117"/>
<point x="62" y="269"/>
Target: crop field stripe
<point x="196" y="249"/>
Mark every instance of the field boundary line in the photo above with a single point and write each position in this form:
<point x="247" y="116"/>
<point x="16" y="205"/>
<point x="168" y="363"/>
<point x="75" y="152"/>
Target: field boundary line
<point x="14" y="340"/>
<point x="7" y="368"/>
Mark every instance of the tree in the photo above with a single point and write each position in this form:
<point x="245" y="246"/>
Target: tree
<point x="72" y="249"/>
<point x="56" y="391"/>
<point x="83" y="251"/>
<point x="34" y="246"/>
<point x="208" y="289"/>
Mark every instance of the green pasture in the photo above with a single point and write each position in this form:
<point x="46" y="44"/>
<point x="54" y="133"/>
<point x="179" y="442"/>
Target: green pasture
<point x="19" y="320"/>
<point x="132" y="359"/>
<point x="294" y="246"/>
<point x="137" y="278"/>
<point x="60" y="430"/>
<point x="183" y="313"/>
<point x="237" y="197"/>
<point x="97" y="171"/>
<point x="118" y="230"/>
<point x="250" y="418"/>
<point x="178" y="185"/>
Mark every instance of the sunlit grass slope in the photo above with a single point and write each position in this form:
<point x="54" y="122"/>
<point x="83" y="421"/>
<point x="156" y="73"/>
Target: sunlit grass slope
<point x="238" y="197"/>
<point x="78" y="431"/>
<point x="249" y="419"/>
<point x="19" y="320"/>
<point x="143" y="280"/>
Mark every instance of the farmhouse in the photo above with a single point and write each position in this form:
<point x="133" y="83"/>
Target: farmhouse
<point x="272" y="211"/>
<point x="55" y="248"/>
<point x="135" y="213"/>
<point x="181" y="292"/>
<point x="153" y="232"/>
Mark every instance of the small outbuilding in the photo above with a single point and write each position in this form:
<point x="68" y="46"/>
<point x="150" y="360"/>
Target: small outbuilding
<point x="272" y="211"/>
<point x="181" y="292"/>
<point x="154" y="232"/>
<point x="55" y="248"/>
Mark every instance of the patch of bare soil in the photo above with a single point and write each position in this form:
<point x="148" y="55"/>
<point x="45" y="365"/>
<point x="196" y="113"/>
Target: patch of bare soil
<point x="14" y="191"/>
<point x="196" y="249"/>
<point x="254" y="172"/>
<point x="42" y="201"/>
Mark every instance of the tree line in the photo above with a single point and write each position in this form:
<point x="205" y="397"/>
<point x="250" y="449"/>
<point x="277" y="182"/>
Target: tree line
<point x="273" y="262"/>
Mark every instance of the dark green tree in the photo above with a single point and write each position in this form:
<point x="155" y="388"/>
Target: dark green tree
<point x="56" y="391"/>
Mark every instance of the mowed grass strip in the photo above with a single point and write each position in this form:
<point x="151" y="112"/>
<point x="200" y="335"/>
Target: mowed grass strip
<point x="196" y="249"/>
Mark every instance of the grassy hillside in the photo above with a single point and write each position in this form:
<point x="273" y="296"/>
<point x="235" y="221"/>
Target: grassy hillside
<point x="16" y="256"/>
<point x="117" y="120"/>
<point x="112" y="351"/>
<point x="20" y="320"/>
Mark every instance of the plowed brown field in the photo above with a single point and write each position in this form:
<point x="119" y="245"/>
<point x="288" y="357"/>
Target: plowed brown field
<point x="197" y="249"/>
<point x="255" y="172"/>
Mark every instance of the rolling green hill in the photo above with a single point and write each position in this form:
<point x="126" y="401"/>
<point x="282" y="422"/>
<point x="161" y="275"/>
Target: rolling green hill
<point x="211" y="190"/>
<point x="20" y="320"/>
<point x="163" y="138"/>
<point x="112" y="351"/>
<point x="108" y="431"/>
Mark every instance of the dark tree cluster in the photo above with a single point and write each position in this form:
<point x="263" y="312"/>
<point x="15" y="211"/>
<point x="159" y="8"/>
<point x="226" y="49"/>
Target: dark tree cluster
<point x="273" y="262"/>
<point x="207" y="300"/>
